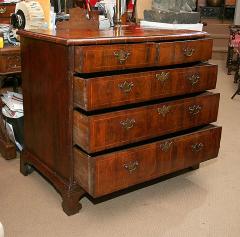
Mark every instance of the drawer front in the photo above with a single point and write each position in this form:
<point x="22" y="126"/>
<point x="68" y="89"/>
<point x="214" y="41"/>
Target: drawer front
<point x="5" y="20"/>
<point x="185" y="51"/>
<point x="10" y="63"/>
<point x="6" y="10"/>
<point x="104" y="131"/>
<point x="125" y="56"/>
<point x="114" y="57"/>
<point x="135" y="165"/>
<point x="137" y="87"/>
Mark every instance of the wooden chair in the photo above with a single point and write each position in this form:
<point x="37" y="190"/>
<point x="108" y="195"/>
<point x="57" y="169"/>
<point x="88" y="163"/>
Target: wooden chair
<point x="233" y="52"/>
<point x="237" y="76"/>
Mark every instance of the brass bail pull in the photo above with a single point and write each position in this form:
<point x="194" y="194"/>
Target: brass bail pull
<point x="164" y="110"/>
<point x="162" y="77"/>
<point x="194" y="79"/>
<point x="188" y="52"/>
<point x="122" y="56"/>
<point x="194" y="110"/>
<point x="128" y="123"/>
<point x="126" y="86"/>
<point x="165" y="146"/>
<point x="3" y="10"/>
<point x="132" y="166"/>
<point x="197" y="147"/>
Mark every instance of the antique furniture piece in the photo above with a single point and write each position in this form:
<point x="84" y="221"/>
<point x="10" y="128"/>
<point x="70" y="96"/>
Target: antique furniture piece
<point x="6" y="10"/>
<point x="233" y="53"/>
<point x="236" y="77"/>
<point x="10" y="67"/>
<point x="106" y="110"/>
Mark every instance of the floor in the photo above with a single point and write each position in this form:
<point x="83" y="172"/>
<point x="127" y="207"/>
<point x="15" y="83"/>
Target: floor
<point x="201" y="203"/>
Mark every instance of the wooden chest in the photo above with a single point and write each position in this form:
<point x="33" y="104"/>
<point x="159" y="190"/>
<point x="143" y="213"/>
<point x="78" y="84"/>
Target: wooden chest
<point x="10" y="60"/>
<point x="106" y="110"/>
<point x="6" y="10"/>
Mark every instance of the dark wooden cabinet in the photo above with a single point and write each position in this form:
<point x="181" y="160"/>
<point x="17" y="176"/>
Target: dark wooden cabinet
<point x="6" y="10"/>
<point x="10" y="60"/>
<point x="105" y="110"/>
<point x="10" y="66"/>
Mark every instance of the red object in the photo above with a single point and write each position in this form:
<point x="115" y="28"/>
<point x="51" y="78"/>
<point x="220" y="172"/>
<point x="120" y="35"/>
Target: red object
<point x="130" y="5"/>
<point x="93" y="2"/>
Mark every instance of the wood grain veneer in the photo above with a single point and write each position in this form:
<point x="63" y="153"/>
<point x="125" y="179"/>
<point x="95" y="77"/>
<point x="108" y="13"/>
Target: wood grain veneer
<point x="72" y="93"/>
<point x="129" y="88"/>
<point x="151" y="161"/>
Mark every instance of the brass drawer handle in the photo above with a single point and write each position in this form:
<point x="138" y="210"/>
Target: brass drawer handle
<point x="3" y="10"/>
<point x="197" y="147"/>
<point x="128" y="123"/>
<point x="194" y="110"/>
<point x="163" y="76"/>
<point x="166" y="146"/>
<point x="188" y="52"/>
<point x="122" y="56"/>
<point x="131" y="167"/>
<point x="194" y="79"/>
<point x="126" y="86"/>
<point x="164" y="110"/>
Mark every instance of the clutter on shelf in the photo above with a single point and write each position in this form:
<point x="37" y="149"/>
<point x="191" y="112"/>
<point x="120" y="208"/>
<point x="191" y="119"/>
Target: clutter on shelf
<point x="13" y="117"/>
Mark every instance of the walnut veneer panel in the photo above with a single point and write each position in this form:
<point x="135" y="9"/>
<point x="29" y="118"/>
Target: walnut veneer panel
<point x="109" y="91"/>
<point x="99" y="132"/>
<point x="125" y="56"/>
<point x="123" y="34"/>
<point x="135" y="165"/>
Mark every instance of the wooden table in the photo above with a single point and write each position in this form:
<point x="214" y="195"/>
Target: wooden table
<point x="10" y="66"/>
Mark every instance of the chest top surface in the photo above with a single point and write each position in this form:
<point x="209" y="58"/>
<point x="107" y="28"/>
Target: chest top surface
<point x="123" y="34"/>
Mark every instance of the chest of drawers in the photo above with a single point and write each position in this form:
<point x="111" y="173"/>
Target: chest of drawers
<point x="10" y="60"/>
<point x="106" y="110"/>
<point x="6" y="10"/>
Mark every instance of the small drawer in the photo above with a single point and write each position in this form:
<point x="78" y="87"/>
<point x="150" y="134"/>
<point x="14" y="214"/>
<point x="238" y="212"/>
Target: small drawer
<point x="185" y="51"/>
<point x="108" y="130"/>
<point x="10" y="63"/>
<point x="114" y="57"/>
<point x="123" y="89"/>
<point x="13" y="63"/>
<point x="104" y="174"/>
<point x="127" y="56"/>
<point x="6" y="10"/>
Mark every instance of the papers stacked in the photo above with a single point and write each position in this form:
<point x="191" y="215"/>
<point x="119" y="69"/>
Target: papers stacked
<point x="13" y="105"/>
<point x="13" y="109"/>
<point x="157" y="25"/>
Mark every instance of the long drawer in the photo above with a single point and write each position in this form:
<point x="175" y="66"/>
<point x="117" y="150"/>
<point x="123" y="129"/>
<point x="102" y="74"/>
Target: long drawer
<point x="99" y="132"/>
<point x="123" y="56"/>
<point x="116" y="90"/>
<point x="107" y="173"/>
